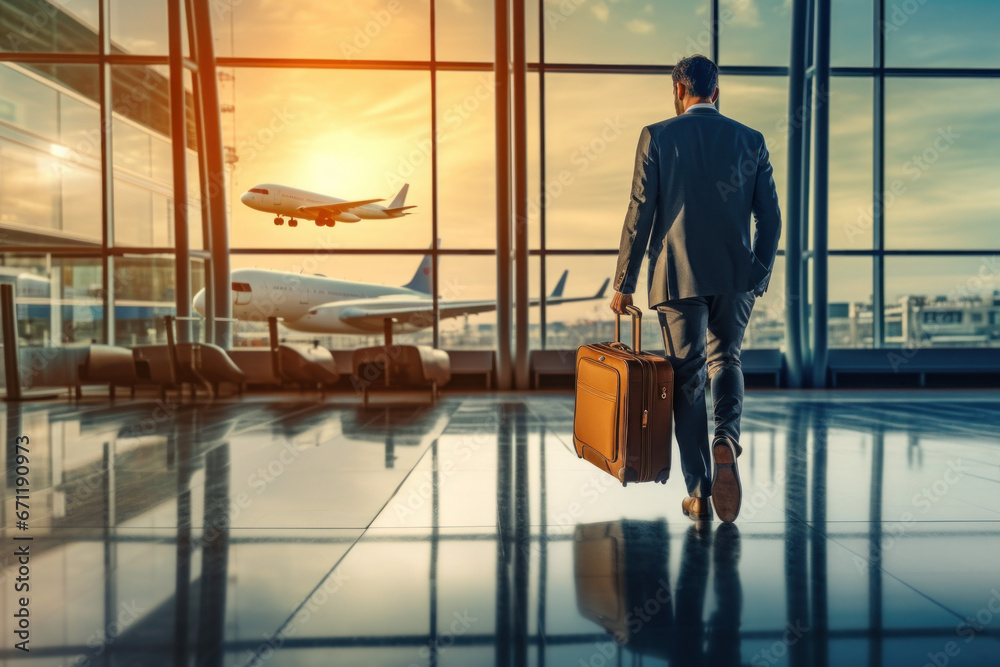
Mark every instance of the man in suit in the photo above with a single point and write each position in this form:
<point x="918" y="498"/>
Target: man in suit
<point x="698" y="178"/>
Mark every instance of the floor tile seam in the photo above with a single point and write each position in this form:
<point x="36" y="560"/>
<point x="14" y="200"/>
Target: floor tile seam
<point x="982" y="397"/>
<point x="280" y="629"/>
<point x="985" y="479"/>
<point x="917" y="521"/>
<point x="916" y="590"/>
<point x="969" y="503"/>
<point x="402" y="481"/>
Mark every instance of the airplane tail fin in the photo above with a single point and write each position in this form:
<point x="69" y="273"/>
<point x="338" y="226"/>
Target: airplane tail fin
<point x="421" y="281"/>
<point x="400" y="198"/>
<point x="604" y="288"/>
<point x="558" y="291"/>
<point x="396" y="206"/>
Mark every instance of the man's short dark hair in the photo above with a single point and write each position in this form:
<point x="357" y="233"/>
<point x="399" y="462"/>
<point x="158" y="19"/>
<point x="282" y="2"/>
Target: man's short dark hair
<point x="698" y="74"/>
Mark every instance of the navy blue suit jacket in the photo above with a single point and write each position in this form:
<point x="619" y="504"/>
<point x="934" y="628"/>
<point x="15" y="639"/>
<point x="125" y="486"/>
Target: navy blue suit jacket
<point x="698" y="179"/>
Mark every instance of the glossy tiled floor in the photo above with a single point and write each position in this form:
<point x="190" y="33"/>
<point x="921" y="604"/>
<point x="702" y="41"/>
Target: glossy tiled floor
<point x="299" y="531"/>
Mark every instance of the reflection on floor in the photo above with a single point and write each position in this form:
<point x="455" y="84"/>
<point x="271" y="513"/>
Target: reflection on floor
<point x="270" y="531"/>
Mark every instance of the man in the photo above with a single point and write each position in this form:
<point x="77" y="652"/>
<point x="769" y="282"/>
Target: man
<point x="698" y="177"/>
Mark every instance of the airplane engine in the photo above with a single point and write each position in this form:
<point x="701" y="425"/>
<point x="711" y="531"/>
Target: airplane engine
<point x="318" y="320"/>
<point x="347" y="217"/>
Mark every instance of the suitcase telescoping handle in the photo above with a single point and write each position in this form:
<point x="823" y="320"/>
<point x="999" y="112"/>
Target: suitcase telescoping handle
<point x="636" y="328"/>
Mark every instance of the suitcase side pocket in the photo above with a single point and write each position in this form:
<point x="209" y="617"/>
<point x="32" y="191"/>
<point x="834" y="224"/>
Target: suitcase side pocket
<point x="595" y="423"/>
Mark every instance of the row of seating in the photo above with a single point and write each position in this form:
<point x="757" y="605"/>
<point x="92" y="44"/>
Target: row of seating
<point x="171" y="366"/>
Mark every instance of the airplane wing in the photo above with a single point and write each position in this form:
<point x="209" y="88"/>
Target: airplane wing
<point x="337" y="209"/>
<point x="372" y="316"/>
<point x="556" y="298"/>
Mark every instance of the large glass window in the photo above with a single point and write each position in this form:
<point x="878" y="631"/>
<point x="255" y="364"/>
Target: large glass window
<point x="55" y="26"/>
<point x="590" y="151"/>
<point x="942" y="301"/>
<point x="298" y="130"/>
<point x="356" y="30"/>
<point x="49" y="154"/>
<point x="59" y="299"/>
<point x="941" y="170"/>
<point x="754" y="33"/>
<point x="851" y="33"/>
<point x="611" y="32"/>
<point x="851" y="224"/>
<point x="139" y="26"/>
<point x="465" y="31"/>
<point x="958" y="33"/>
<point x="466" y="160"/>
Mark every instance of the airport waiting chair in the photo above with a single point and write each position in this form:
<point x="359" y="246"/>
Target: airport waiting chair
<point x="110" y="365"/>
<point x="307" y="365"/>
<point x="401" y="367"/>
<point x="208" y="365"/>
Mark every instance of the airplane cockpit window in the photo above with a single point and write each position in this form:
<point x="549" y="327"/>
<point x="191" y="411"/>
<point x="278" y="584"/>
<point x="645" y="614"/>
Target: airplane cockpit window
<point x="241" y="287"/>
<point x="260" y="191"/>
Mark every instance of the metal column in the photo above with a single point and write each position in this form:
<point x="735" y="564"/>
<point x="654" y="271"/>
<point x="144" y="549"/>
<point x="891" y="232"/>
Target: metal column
<point x="521" y="297"/>
<point x="797" y="104"/>
<point x="107" y="171"/>
<point x="878" y="180"/>
<point x="178" y="144"/>
<point x="501" y="68"/>
<point x="211" y="118"/>
<point x="821" y="102"/>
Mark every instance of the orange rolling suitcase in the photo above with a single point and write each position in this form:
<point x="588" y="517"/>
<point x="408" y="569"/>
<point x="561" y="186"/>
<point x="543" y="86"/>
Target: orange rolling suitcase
<point x="624" y="405"/>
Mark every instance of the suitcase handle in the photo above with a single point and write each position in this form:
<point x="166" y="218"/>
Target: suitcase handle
<point x="636" y="328"/>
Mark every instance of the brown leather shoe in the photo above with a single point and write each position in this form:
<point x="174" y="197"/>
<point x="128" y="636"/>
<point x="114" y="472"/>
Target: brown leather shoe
<point x="696" y="508"/>
<point x="727" y="493"/>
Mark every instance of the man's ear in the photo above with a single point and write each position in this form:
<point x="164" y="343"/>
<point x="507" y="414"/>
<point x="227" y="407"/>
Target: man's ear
<point x="715" y="95"/>
<point x="679" y="90"/>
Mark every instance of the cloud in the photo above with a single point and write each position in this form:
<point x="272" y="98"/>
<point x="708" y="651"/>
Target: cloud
<point x="640" y="26"/>
<point x="601" y="11"/>
<point x="743" y="12"/>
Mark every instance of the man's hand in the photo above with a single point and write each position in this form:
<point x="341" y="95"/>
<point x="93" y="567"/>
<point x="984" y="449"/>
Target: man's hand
<point x="619" y="302"/>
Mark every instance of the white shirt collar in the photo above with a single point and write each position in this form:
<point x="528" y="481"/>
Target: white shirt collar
<point x="702" y="105"/>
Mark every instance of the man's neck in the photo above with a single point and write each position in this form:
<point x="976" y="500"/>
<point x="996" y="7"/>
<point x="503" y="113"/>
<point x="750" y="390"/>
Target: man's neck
<point x="691" y="101"/>
<point x="703" y="104"/>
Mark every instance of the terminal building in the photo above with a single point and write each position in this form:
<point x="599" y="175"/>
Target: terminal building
<point x="213" y="480"/>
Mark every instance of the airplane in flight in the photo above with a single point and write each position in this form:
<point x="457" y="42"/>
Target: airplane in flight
<point x="325" y="210"/>
<point x="317" y="304"/>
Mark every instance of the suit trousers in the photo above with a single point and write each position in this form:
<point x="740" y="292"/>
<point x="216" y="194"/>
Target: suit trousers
<point x="702" y="337"/>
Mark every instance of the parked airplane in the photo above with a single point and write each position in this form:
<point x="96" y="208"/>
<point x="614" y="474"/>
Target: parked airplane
<point x="325" y="210"/>
<point x="317" y="304"/>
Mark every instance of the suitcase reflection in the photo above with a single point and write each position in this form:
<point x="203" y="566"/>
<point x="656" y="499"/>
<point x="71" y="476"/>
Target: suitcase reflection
<point x="623" y="584"/>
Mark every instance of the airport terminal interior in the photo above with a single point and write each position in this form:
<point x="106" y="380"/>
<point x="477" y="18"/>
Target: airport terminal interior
<point x="291" y="298"/>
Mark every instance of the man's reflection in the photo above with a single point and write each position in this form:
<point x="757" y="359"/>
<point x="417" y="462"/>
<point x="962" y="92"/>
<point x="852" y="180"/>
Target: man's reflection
<point x="622" y="584"/>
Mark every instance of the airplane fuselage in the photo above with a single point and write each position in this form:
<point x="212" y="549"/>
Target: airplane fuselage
<point x="296" y="298"/>
<point x="282" y="200"/>
<point x="317" y="304"/>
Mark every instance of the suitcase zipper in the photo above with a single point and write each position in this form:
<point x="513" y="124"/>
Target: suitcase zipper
<point x="647" y="381"/>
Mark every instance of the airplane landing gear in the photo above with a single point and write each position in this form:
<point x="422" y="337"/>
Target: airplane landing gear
<point x="279" y="221"/>
<point x="292" y="222"/>
<point x="325" y="222"/>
